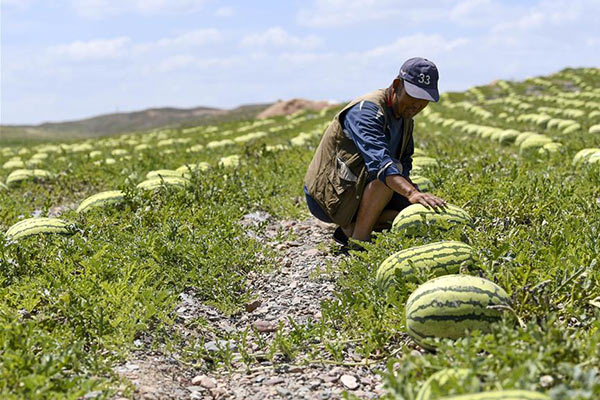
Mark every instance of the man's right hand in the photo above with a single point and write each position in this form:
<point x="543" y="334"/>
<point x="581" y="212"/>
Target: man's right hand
<point x="402" y="186"/>
<point x="426" y="199"/>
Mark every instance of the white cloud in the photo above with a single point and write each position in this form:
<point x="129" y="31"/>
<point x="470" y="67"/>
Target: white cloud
<point x="330" y="13"/>
<point x="278" y="37"/>
<point x="98" y="49"/>
<point x="348" y="13"/>
<point x="197" y="37"/>
<point x="417" y="45"/>
<point x="224" y="12"/>
<point x="188" y="61"/>
<point x="106" y="8"/>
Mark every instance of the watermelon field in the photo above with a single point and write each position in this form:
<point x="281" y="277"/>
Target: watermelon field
<point x="87" y="283"/>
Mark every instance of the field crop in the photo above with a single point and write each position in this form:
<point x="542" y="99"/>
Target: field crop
<point x="73" y="306"/>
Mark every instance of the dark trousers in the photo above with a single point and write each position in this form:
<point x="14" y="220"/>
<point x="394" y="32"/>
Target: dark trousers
<point x="397" y="202"/>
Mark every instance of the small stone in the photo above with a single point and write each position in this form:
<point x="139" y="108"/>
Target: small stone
<point x="546" y="381"/>
<point x="274" y="381"/>
<point x="204" y="381"/>
<point x="265" y="326"/>
<point x="215" y="345"/>
<point x="311" y="252"/>
<point x="253" y="305"/>
<point x="196" y="396"/>
<point x="314" y="383"/>
<point x="416" y="353"/>
<point x="349" y="381"/>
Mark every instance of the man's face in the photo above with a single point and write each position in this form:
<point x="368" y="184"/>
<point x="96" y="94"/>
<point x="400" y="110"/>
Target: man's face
<point x="403" y="104"/>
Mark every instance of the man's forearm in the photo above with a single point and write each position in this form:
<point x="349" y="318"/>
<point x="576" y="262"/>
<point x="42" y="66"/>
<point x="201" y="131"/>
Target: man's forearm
<point x="400" y="185"/>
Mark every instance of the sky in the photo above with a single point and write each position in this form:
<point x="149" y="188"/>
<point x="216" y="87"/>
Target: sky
<point x="72" y="59"/>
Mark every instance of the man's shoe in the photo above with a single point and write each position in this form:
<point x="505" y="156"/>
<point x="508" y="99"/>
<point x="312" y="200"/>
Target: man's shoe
<point x="340" y="237"/>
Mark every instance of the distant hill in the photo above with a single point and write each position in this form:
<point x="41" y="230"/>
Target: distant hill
<point x="110" y="124"/>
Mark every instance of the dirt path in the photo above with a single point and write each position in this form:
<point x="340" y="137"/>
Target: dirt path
<point x="294" y="290"/>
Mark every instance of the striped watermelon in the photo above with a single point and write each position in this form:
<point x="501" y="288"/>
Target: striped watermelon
<point x="12" y="164"/>
<point x="534" y="142"/>
<point x="20" y="175"/>
<point x="424" y="184"/>
<point x="508" y="136"/>
<point x="583" y="155"/>
<point x="165" y="173"/>
<point x="34" y="226"/>
<point x="230" y="161"/>
<point x="201" y="166"/>
<point x="435" y="259"/>
<point x="501" y="395"/>
<point x="100" y="199"/>
<point x="155" y="183"/>
<point x="424" y="161"/>
<point x="447" y="379"/>
<point x="448" y="306"/>
<point x="415" y="216"/>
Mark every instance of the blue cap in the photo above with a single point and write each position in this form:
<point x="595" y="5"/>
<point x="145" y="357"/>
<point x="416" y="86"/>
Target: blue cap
<point x="420" y="78"/>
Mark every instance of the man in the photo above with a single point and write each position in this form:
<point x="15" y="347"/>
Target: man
<point x="359" y="175"/>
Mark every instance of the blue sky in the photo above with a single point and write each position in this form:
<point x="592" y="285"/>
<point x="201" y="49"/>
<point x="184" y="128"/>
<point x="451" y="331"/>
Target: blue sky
<point x="70" y="59"/>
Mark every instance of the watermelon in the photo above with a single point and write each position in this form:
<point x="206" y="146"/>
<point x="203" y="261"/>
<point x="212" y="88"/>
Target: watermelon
<point x="534" y="142"/>
<point x="424" y="184"/>
<point x="501" y="395"/>
<point x="522" y="136"/>
<point x="451" y="305"/>
<point x="423" y="161"/>
<point x="230" y="161"/>
<point x="165" y="173"/>
<point x="20" y="175"/>
<point x="447" y="379"/>
<point x="508" y="136"/>
<point x="583" y="155"/>
<point x="155" y="183"/>
<point x="12" y="164"/>
<point x="201" y="166"/>
<point x="100" y="199"/>
<point x="415" y="216"/>
<point x="551" y="147"/>
<point x="34" y="226"/>
<point x="435" y="259"/>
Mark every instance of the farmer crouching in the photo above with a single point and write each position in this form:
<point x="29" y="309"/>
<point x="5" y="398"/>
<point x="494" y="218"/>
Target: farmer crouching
<point x="359" y="175"/>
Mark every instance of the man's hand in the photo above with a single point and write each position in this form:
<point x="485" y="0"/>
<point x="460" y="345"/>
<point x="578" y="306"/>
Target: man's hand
<point x="402" y="186"/>
<point x="426" y="199"/>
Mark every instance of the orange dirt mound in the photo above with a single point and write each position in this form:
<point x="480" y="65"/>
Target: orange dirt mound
<point x="288" y="107"/>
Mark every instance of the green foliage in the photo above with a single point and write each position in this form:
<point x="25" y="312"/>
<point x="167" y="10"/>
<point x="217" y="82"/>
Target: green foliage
<point x="72" y="306"/>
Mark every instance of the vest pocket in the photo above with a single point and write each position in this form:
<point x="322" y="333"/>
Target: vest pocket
<point x="344" y="182"/>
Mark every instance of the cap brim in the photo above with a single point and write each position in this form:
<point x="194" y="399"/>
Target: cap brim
<point x="421" y="93"/>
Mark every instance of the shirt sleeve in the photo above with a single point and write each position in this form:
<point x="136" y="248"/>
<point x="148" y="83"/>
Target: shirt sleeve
<point x="364" y="124"/>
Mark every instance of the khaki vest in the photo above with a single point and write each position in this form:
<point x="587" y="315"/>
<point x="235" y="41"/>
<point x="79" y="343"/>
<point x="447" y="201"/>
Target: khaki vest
<point x="337" y="174"/>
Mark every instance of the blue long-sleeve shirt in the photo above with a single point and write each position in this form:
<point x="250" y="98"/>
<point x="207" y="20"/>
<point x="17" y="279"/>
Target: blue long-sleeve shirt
<point x="364" y="124"/>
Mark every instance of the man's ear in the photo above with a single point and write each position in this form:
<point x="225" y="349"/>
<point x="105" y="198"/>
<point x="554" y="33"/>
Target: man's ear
<point x="398" y="85"/>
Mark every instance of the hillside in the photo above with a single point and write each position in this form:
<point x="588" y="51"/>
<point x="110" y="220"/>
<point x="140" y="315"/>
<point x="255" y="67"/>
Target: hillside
<point x="110" y="124"/>
<point x="182" y="263"/>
